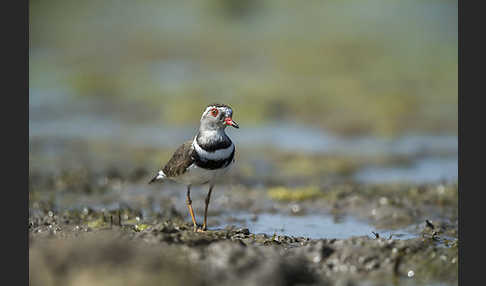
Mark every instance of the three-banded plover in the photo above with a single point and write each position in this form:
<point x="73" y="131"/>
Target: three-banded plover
<point x="204" y="159"/>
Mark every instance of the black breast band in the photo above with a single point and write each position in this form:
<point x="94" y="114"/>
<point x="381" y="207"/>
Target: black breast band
<point x="212" y="164"/>
<point x="214" y="145"/>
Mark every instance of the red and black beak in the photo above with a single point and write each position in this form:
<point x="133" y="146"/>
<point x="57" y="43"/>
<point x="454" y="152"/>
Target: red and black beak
<point x="229" y="121"/>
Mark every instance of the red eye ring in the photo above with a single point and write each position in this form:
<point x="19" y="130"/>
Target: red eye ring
<point x="214" y="112"/>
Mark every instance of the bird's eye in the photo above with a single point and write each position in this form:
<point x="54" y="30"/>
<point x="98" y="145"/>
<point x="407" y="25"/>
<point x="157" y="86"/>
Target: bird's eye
<point x="214" y="112"/>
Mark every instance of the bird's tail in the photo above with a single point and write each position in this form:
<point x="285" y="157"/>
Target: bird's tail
<point x="153" y="180"/>
<point x="159" y="176"/>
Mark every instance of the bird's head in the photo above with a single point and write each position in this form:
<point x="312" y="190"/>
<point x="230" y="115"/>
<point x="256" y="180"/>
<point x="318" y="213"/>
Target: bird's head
<point x="217" y="116"/>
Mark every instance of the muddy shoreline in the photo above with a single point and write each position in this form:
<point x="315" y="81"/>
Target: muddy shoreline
<point x="112" y="226"/>
<point x="66" y="251"/>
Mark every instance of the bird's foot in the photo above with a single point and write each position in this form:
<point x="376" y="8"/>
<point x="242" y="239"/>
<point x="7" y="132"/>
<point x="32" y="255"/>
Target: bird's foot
<point x="200" y="229"/>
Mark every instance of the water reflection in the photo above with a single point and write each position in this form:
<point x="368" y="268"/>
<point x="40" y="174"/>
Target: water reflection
<point x="314" y="226"/>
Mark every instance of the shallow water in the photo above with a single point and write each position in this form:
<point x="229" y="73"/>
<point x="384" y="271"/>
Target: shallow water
<point x="423" y="170"/>
<point x="78" y="118"/>
<point x="56" y="114"/>
<point x="314" y="226"/>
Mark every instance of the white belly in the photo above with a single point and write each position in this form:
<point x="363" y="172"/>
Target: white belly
<point x="197" y="176"/>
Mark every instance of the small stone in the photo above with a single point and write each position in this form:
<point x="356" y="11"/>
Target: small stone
<point x="296" y="209"/>
<point x="383" y="201"/>
<point x="244" y="231"/>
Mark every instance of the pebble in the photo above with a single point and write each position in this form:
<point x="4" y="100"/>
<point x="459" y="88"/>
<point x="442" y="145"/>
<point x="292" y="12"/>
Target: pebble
<point x="383" y="201"/>
<point x="295" y="209"/>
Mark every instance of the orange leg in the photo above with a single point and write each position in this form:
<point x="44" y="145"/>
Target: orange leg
<point x="205" y="224"/>
<point x="189" y="205"/>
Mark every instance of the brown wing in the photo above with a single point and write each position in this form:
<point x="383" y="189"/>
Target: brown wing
<point x="179" y="162"/>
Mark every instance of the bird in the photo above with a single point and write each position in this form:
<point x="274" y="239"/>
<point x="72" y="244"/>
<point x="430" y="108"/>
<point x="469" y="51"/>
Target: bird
<point x="205" y="159"/>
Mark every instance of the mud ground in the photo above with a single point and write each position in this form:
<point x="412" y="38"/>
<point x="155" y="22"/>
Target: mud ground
<point x="135" y="243"/>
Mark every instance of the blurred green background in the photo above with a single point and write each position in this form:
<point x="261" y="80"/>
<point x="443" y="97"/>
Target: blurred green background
<point x="349" y="67"/>
<point x="355" y="84"/>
